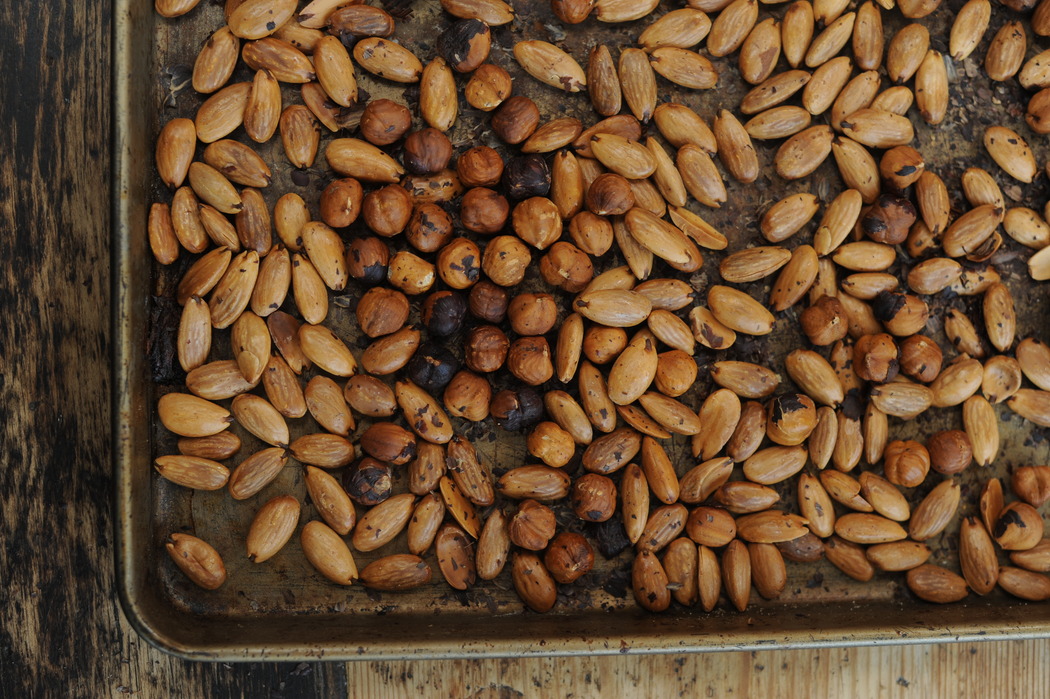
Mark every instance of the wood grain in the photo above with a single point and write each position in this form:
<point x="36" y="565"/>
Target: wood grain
<point x="62" y="632"/>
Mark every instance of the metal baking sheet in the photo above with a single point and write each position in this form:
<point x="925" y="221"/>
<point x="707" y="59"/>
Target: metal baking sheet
<point x="284" y="610"/>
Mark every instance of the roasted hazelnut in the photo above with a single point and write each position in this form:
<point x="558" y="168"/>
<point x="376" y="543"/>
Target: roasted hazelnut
<point x="1032" y="484"/>
<point x="808" y="548"/>
<point x="432" y="367"/>
<point x="602" y="344"/>
<point x="488" y="87"/>
<point x="468" y="396"/>
<point x="901" y="166"/>
<point x="529" y="358"/>
<point x="465" y="44"/>
<point x="551" y="444"/>
<point x="675" y="372"/>
<point x="569" y="557"/>
<point x="427" y="151"/>
<point x="505" y="260"/>
<point x="483" y="210"/>
<point x="567" y="267"/>
<point x="441" y="186"/>
<point x="442" y="313"/>
<point x="410" y="273"/>
<point x="516" y="119"/>
<point x="610" y="195"/>
<point x="592" y="233"/>
<point x="485" y="349"/>
<point x="900" y="314"/>
<point x="389" y="442"/>
<point x="383" y="122"/>
<point x="368" y="482"/>
<point x="889" y="219"/>
<point x="514" y="410"/>
<point x="488" y="302"/>
<point x="921" y="358"/>
<point x="532" y="314"/>
<point x="480" y="166"/>
<point x="593" y="497"/>
<point x="367" y="259"/>
<point x="370" y="396"/>
<point x="572" y="12"/>
<point x="825" y="321"/>
<point x="341" y="202"/>
<point x="532" y="526"/>
<point x="526" y="176"/>
<point x="906" y="463"/>
<point x="876" y="358"/>
<point x="1019" y="527"/>
<point x="459" y="263"/>
<point x="381" y="311"/>
<point x="790" y="419"/>
<point x="950" y="451"/>
<point x="387" y="210"/>
<point x="430" y="227"/>
<point x="537" y="221"/>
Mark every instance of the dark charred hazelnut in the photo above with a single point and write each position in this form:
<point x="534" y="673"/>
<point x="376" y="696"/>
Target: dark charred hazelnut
<point x="382" y="311"/>
<point x="368" y="482"/>
<point x="906" y="463"/>
<point x="468" y="396"/>
<point x="383" y="122"/>
<point x="505" y="260"/>
<point x="551" y="444"/>
<point x="526" y="176"/>
<point x="465" y="45"/>
<point x="876" y="358"/>
<point x="367" y="259"/>
<point x="480" y="166"/>
<point x="515" y="119"/>
<point x="569" y="557"/>
<point x="900" y="314"/>
<point x="442" y="313"/>
<point x="825" y="321"/>
<point x="610" y="537"/>
<point x="921" y="358"/>
<point x="572" y="12"/>
<point x="901" y="166"/>
<point x="389" y="442"/>
<point x="950" y="451"/>
<point x="488" y="302"/>
<point x="485" y="349"/>
<point x="592" y="233"/>
<point x="430" y="227"/>
<point x="484" y="211"/>
<point x="514" y="410"/>
<point x="610" y="195"/>
<point x="432" y="367"/>
<point x="341" y="202"/>
<point x="889" y="219"/>
<point x="387" y="210"/>
<point x="567" y="267"/>
<point x="370" y="396"/>
<point x="790" y="419"/>
<point x="602" y="344"/>
<point x="459" y="263"/>
<point x="529" y="359"/>
<point x="488" y="87"/>
<point x="532" y="526"/>
<point x="593" y="497"/>
<point x="427" y="151"/>
<point x="532" y="314"/>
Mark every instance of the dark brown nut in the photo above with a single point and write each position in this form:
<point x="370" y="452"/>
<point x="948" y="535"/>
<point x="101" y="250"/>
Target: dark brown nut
<point x="480" y="166"/>
<point x="526" y="176"/>
<point x="389" y="442"/>
<point x="370" y="396"/>
<point x="341" y="202"/>
<point x="906" y="463"/>
<point x="514" y="410"/>
<point x="427" y="151"/>
<point x="505" y="260"/>
<point x="825" y="321"/>
<point x="790" y="419"/>
<point x="902" y="166"/>
<point x="1032" y="484"/>
<point x="610" y="195"/>
<point x="459" y="263"/>
<point x="921" y="358"/>
<point x="483" y="210"/>
<point x="602" y="344"/>
<point x="516" y="119"/>
<point x="465" y="44"/>
<point x="488" y="301"/>
<point x="488" y="87"/>
<point x="383" y="122"/>
<point x="468" y="396"/>
<point x="572" y="12"/>
<point x="359" y="21"/>
<point x="532" y="314"/>
<point x="367" y="259"/>
<point x="569" y="557"/>
<point x="529" y="359"/>
<point x="808" y="548"/>
<point x="442" y="313"/>
<point x="1019" y="527"/>
<point x="432" y="367"/>
<point x="551" y="444"/>
<point x="889" y="219"/>
<point x="950" y="451"/>
<point x="381" y="311"/>
<point x="876" y="358"/>
<point x="593" y="497"/>
<point x="387" y="210"/>
<point x="592" y="233"/>
<point x="901" y="314"/>
<point x="368" y="482"/>
<point x="532" y="526"/>
<point x="430" y="227"/>
<point x="567" y="267"/>
<point x="485" y="349"/>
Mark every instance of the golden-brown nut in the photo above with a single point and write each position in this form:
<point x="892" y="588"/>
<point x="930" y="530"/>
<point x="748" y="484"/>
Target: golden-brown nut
<point x="483" y="210"/>
<point x="480" y="166"/>
<point x="921" y="358"/>
<point x="876" y="358"/>
<point x="569" y="557"/>
<point x="567" y="267"/>
<point x="485" y="349"/>
<point x="387" y="210"/>
<point x="427" y="151"/>
<point x="515" y="119"/>
<point x="906" y="463"/>
<point x="383" y="122"/>
<point x="825" y="321"/>
<point x="430" y="227"/>
<point x="532" y="314"/>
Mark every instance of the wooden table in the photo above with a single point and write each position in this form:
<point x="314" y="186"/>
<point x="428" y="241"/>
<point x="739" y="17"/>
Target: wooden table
<point x="61" y="630"/>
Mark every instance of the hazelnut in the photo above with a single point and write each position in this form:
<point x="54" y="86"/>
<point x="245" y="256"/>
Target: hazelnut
<point x="808" y="548"/>
<point x="906" y="463"/>
<point x="485" y="349"/>
<point x="921" y="358"/>
<point x="1019" y="527"/>
<point x="592" y="233"/>
<point x="551" y="444"/>
<point x="602" y="344"/>
<point x="901" y="166"/>
<point x="387" y="210"/>
<point x="480" y="166"/>
<point x="427" y="151"/>
<point x="950" y="451"/>
<point x="483" y="211"/>
<point x="465" y="44"/>
<point x="432" y="367"/>
<point x="825" y="321"/>
<point x="875" y="358"/>
<point x="569" y="557"/>
<point x="529" y="359"/>
<point x="889" y="219"/>
<point x="383" y="122"/>
<point x="368" y="482"/>
<point x="567" y="267"/>
<point x="367" y="259"/>
<point x="370" y="396"/>
<point x="505" y="260"/>
<point x="515" y="119"/>
<point x="675" y="372"/>
<point x="532" y="526"/>
<point x="389" y="442"/>
<point x="593" y="497"/>
<point x="468" y="396"/>
<point x="1032" y="484"/>
<point x="459" y="263"/>
<point x="381" y="311"/>
<point x="430" y="227"/>
<point x="516" y="409"/>
<point x="610" y="195"/>
<point x="526" y="176"/>
<point x="442" y="313"/>
<point x="488" y="301"/>
<point x="537" y="221"/>
<point x="790" y="419"/>
<point x="410" y="273"/>
<point x="488" y="87"/>
<point x="901" y="314"/>
<point x="441" y="186"/>
<point x="532" y="314"/>
<point x="341" y="202"/>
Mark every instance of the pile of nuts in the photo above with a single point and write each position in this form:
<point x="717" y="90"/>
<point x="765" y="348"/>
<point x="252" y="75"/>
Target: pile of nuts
<point x="551" y="287"/>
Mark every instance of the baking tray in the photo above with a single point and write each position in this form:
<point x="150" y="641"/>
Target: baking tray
<point x="284" y="611"/>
